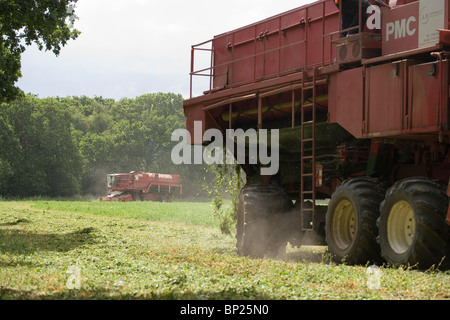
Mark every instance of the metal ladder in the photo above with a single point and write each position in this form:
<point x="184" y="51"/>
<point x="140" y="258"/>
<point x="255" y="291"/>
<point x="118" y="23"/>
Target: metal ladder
<point x="308" y="150"/>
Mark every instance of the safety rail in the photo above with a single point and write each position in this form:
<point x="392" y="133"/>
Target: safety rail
<point x="328" y="24"/>
<point x="330" y="32"/>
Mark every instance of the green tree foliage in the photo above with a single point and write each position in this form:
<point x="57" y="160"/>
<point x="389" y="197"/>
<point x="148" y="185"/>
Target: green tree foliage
<point x="49" y="162"/>
<point x="10" y="152"/>
<point x="46" y="23"/>
<point x="67" y="146"/>
<point x="225" y="193"/>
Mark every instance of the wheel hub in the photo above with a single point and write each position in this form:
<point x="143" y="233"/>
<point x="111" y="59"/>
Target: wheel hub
<point x="344" y="224"/>
<point x="401" y="227"/>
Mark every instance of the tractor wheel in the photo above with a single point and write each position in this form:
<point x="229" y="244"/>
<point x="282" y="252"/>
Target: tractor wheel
<point x="412" y="224"/>
<point x="351" y="221"/>
<point x="262" y="221"/>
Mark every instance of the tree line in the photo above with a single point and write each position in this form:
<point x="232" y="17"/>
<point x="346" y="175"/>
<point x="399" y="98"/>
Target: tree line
<point x="63" y="147"/>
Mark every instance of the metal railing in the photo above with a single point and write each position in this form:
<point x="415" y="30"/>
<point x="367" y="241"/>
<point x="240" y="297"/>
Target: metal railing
<point x="211" y="70"/>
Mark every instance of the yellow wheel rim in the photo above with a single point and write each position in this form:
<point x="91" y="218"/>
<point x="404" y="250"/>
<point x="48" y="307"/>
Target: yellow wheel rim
<point x="401" y="227"/>
<point x="344" y="224"/>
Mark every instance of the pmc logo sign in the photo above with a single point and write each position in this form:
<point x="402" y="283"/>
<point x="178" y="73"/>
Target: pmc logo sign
<point x="415" y="25"/>
<point x="401" y="28"/>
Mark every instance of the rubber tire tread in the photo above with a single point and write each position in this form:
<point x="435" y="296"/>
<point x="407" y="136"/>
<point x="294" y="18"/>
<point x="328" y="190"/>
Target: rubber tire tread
<point x="261" y="227"/>
<point x="365" y="194"/>
<point x="430" y="203"/>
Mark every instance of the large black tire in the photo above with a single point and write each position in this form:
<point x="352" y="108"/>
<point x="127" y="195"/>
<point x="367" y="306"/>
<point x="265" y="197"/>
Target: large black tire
<point x="412" y="224"/>
<point x="263" y="221"/>
<point x="351" y="221"/>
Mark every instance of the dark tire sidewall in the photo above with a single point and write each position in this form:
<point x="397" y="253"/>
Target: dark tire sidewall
<point x="386" y="207"/>
<point x="339" y="253"/>
<point x="429" y="204"/>
<point x="256" y="227"/>
<point x="365" y="195"/>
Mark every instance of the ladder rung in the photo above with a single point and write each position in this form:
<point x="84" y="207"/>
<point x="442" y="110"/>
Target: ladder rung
<point x="308" y="104"/>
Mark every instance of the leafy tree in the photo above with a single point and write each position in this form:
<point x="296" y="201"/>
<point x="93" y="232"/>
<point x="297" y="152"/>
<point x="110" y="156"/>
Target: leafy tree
<point x="10" y="153"/>
<point x="65" y="146"/>
<point x="143" y="128"/>
<point x="47" y="23"/>
<point x="50" y="163"/>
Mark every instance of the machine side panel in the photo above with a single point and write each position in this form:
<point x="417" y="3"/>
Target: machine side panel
<point x="346" y="100"/>
<point x="428" y="84"/>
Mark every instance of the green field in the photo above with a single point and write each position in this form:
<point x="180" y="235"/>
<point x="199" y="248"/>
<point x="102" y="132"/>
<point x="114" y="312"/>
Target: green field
<point x="147" y="250"/>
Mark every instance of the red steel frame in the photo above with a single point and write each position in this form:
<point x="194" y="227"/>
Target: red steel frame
<point x="353" y="111"/>
<point x="328" y="18"/>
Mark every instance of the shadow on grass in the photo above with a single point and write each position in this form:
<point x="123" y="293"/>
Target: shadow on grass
<point x="18" y="241"/>
<point x="14" y="223"/>
<point x="106" y="294"/>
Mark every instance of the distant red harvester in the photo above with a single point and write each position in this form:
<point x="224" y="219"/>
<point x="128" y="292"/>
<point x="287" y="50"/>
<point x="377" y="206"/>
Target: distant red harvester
<point x="135" y="186"/>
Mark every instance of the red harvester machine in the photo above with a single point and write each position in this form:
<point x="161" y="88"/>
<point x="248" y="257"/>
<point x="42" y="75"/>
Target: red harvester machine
<point x="364" y="128"/>
<point x="142" y="186"/>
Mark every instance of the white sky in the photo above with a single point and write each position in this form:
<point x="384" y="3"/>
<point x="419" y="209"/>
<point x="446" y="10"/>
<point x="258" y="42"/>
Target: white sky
<point x="129" y="48"/>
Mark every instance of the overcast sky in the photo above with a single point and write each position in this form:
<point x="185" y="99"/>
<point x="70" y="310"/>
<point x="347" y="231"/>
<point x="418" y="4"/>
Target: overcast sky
<point x="129" y="48"/>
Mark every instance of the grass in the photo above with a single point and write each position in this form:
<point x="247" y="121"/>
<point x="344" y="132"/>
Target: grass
<point x="146" y="250"/>
<point x="183" y="212"/>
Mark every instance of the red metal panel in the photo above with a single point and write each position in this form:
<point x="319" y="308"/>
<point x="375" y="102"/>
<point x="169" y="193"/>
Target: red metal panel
<point x="399" y="98"/>
<point x="331" y="24"/>
<point x="243" y="50"/>
<point x="284" y="43"/>
<point x="425" y="92"/>
<point x="195" y="113"/>
<point x="346" y="100"/>
<point x="314" y="35"/>
<point x="271" y="45"/>
<point x="293" y="32"/>
<point x="222" y="55"/>
<point x="266" y="60"/>
<point x="385" y="98"/>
